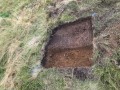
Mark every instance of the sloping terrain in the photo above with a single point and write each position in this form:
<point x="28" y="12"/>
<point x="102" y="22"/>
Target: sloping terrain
<point x="25" y="27"/>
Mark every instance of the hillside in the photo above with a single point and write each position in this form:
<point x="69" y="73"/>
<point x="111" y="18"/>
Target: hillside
<point x="25" y="28"/>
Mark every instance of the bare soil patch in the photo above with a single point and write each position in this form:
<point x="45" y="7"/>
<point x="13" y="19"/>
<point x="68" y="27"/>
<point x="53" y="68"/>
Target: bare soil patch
<point x="70" y="45"/>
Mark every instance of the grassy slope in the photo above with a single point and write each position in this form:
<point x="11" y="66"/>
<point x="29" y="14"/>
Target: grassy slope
<point x="23" y="33"/>
<point x="24" y="27"/>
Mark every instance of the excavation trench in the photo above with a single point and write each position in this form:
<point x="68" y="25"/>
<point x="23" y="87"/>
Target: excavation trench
<point x="70" y="45"/>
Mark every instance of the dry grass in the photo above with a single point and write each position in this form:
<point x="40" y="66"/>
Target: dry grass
<point x="24" y="28"/>
<point x="14" y="38"/>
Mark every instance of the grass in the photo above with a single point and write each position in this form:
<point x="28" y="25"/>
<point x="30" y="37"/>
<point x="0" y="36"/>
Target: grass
<point x="24" y="29"/>
<point x="15" y="53"/>
<point x="4" y="14"/>
<point x="109" y="73"/>
<point x="47" y="79"/>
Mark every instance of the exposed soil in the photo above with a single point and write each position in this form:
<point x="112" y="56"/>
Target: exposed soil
<point x="78" y="57"/>
<point x="70" y="45"/>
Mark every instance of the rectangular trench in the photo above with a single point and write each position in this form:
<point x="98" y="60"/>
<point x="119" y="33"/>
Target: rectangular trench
<point x="70" y="45"/>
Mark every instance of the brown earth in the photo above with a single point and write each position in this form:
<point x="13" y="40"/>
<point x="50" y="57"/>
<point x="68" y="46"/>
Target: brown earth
<point x="70" y="45"/>
<point x="70" y="58"/>
<point x="108" y="40"/>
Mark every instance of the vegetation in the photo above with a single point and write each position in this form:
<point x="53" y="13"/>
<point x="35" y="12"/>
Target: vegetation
<point x="109" y="73"/>
<point x="25" y="26"/>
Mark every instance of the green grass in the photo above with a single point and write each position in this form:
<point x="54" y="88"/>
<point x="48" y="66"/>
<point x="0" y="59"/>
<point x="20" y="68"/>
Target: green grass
<point x="24" y="29"/>
<point x="4" y="14"/>
<point x="109" y="73"/>
<point x="47" y="79"/>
